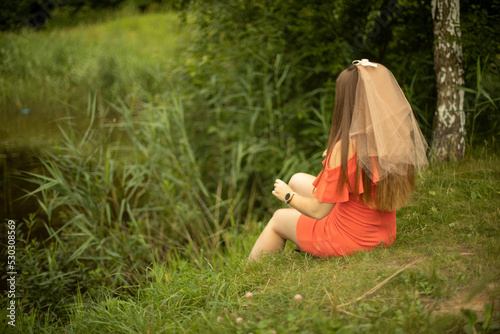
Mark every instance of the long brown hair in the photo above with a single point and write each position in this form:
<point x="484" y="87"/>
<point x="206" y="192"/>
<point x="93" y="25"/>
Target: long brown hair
<point x="392" y="192"/>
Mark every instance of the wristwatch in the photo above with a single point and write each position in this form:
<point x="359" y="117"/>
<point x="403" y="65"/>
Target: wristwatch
<point x="289" y="197"/>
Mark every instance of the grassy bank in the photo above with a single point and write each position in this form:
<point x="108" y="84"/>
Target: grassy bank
<point x="440" y="276"/>
<point x="446" y="261"/>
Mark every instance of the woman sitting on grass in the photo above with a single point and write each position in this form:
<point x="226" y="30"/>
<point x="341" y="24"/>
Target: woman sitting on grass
<point x="374" y="146"/>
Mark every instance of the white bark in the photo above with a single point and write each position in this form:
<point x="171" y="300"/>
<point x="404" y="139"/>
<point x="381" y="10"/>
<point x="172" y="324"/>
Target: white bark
<point x="448" y="137"/>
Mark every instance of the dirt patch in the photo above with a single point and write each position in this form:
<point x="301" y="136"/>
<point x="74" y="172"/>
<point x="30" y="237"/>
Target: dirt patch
<point x="464" y="300"/>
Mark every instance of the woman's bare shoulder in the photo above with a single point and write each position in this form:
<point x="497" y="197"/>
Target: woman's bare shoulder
<point x="335" y="156"/>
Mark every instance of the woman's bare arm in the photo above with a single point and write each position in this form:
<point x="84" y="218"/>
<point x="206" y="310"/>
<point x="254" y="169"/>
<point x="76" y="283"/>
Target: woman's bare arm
<point x="309" y="206"/>
<point x="302" y="184"/>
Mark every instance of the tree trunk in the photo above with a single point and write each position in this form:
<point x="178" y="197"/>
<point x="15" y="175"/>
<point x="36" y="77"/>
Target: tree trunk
<point x="448" y="135"/>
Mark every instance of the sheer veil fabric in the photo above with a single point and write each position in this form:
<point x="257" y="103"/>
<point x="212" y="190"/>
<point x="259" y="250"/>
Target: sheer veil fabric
<point x="383" y="125"/>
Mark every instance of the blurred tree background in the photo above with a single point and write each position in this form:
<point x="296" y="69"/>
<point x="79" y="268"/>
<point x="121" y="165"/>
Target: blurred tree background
<point x="316" y="39"/>
<point x="34" y="13"/>
<point x="319" y="39"/>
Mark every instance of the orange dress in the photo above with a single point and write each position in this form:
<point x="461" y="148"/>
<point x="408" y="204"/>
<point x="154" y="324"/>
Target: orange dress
<point x="351" y="225"/>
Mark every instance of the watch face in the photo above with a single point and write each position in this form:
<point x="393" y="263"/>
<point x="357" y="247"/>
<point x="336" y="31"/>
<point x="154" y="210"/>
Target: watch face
<point x="287" y="197"/>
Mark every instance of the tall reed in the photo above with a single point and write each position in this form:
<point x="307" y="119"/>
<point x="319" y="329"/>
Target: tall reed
<point x="480" y="104"/>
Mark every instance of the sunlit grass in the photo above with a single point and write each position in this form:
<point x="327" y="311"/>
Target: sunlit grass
<point x="48" y="73"/>
<point x="412" y="287"/>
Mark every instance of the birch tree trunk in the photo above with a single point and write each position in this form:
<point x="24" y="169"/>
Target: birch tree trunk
<point x="448" y="136"/>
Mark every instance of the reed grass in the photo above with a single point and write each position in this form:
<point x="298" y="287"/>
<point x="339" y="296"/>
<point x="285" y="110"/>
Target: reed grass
<point x="447" y="245"/>
<point x="397" y="289"/>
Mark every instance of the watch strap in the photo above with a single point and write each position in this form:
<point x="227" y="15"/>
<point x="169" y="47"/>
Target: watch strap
<point x="290" y="197"/>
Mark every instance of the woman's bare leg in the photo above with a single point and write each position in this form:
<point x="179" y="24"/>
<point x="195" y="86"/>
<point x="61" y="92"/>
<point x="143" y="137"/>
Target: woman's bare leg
<point x="283" y="224"/>
<point x="301" y="183"/>
<point x="281" y="227"/>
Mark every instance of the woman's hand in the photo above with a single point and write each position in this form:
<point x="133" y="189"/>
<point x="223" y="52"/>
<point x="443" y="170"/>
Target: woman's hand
<point x="281" y="189"/>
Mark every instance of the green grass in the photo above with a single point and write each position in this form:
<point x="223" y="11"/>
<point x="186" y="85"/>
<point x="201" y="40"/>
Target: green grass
<point x="448" y="245"/>
<point x="50" y="72"/>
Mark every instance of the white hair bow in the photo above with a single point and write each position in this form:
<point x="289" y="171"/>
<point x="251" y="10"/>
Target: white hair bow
<point x="364" y="62"/>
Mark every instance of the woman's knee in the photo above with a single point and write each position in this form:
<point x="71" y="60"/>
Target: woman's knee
<point x="278" y="216"/>
<point x="284" y="223"/>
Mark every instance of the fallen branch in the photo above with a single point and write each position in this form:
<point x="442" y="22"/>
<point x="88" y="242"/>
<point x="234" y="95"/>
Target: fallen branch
<point x="340" y="310"/>
<point x="375" y="288"/>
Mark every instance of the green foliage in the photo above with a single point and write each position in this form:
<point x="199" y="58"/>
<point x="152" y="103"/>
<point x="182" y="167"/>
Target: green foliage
<point x="479" y="25"/>
<point x="35" y="14"/>
<point x="47" y="282"/>
<point x="317" y="40"/>
<point x="456" y="249"/>
<point x="50" y="73"/>
<point x="173" y="160"/>
<point x="210" y="296"/>
<point x="13" y="12"/>
<point x="118" y="192"/>
<point x="482" y="109"/>
<point x="249" y="129"/>
<point x="474" y="326"/>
